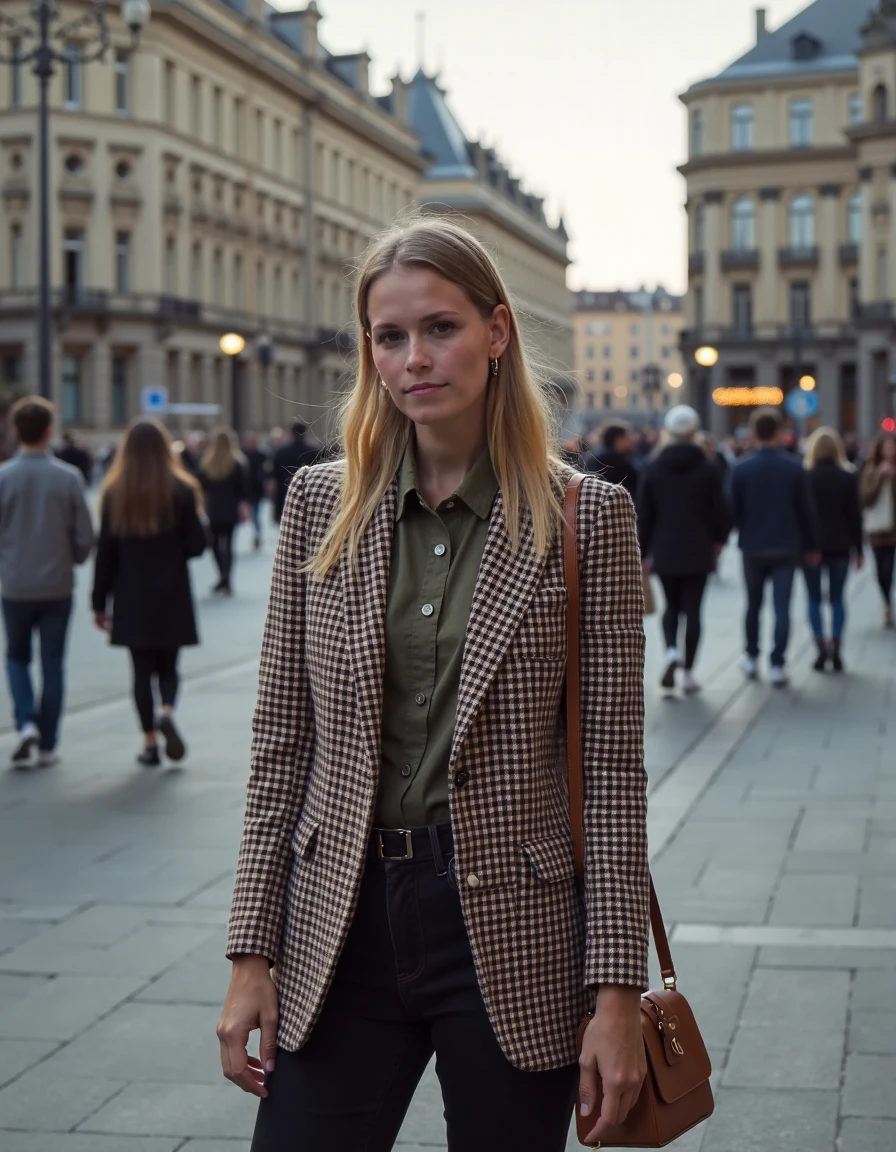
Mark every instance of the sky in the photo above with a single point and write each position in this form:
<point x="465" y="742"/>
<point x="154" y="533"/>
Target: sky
<point x="580" y="97"/>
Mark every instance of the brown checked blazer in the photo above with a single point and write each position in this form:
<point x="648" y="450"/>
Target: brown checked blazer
<point x="540" y="946"/>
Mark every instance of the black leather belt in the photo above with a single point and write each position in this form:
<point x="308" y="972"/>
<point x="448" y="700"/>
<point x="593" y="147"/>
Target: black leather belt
<point x="396" y="845"/>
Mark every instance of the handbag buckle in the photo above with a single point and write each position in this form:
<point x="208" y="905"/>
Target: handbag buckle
<point x="670" y="983"/>
<point x="408" y="843"/>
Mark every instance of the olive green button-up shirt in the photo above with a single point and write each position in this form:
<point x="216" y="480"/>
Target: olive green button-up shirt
<point x="436" y="555"/>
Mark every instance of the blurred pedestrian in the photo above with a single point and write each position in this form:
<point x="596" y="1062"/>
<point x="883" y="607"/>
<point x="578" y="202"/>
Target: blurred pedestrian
<point x="714" y="454"/>
<point x="834" y="490"/>
<point x="683" y="523"/>
<point x="257" y="470"/>
<point x="45" y="530"/>
<point x="878" y="494"/>
<point x="222" y="473"/>
<point x="150" y="509"/>
<point x="75" y="453"/>
<point x="777" y="532"/>
<point x="288" y="459"/>
<point x="612" y="459"/>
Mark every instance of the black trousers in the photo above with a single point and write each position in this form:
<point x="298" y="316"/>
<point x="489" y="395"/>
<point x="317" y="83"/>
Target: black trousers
<point x="684" y="597"/>
<point x="148" y="663"/>
<point x="884" y="560"/>
<point x="222" y="548"/>
<point x="405" y="988"/>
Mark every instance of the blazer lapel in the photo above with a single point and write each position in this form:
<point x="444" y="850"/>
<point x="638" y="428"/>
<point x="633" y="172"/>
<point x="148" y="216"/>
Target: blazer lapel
<point x="504" y="588"/>
<point x="364" y="591"/>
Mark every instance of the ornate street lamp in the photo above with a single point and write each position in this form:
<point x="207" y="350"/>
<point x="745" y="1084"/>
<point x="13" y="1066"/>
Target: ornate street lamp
<point x="45" y="42"/>
<point x="232" y="344"/>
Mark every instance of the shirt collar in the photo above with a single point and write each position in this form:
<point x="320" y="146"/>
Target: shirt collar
<point x="477" y="490"/>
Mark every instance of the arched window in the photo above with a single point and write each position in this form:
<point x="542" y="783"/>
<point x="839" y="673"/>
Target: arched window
<point x="801" y="223"/>
<point x="700" y="229"/>
<point x="880" y="101"/>
<point x="743" y="225"/>
<point x="854" y="218"/>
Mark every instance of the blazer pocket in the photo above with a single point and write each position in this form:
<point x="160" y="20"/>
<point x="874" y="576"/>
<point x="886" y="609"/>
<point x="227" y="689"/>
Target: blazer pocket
<point x="304" y="838"/>
<point x="551" y="858"/>
<point x="542" y="630"/>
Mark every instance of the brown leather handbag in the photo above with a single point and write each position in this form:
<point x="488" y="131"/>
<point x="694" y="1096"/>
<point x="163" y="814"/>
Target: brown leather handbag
<point x="676" y="1095"/>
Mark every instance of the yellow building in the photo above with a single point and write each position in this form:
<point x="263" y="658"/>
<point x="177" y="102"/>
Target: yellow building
<point x="618" y="337"/>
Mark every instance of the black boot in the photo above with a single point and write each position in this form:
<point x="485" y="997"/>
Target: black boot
<point x="821" y="659"/>
<point x="149" y="757"/>
<point x="836" y="661"/>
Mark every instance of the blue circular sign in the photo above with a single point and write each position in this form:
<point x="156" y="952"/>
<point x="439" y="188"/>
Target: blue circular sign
<point x="801" y="405"/>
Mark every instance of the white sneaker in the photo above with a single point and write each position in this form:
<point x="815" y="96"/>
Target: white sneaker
<point x="47" y="759"/>
<point x="777" y="676"/>
<point x="689" y="684"/>
<point x="748" y="666"/>
<point x="673" y="660"/>
<point x="29" y="738"/>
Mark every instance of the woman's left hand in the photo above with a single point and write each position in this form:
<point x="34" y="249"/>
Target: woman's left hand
<point x="101" y="620"/>
<point x="612" y="1065"/>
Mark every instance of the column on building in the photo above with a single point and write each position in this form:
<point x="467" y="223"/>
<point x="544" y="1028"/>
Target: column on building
<point x="151" y="366"/>
<point x="181" y="392"/>
<point x="98" y="412"/>
<point x="209" y="381"/>
<point x="826" y="308"/>
<point x="891" y="237"/>
<point x="712" y="279"/>
<point x="256" y="380"/>
<point x="765" y="306"/>
<point x="827" y="379"/>
<point x="867" y="248"/>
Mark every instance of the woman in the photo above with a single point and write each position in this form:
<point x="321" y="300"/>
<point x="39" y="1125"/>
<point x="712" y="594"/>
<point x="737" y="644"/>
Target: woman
<point x="407" y="861"/>
<point x="683" y="523"/>
<point x="222" y="473"/>
<point x="150" y="528"/>
<point x="835" y="495"/>
<point x="878" y="494"/>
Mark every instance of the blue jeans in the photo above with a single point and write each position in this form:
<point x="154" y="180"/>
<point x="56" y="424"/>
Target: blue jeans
<point x="758" y="570"/>
<point x="50" y="618"/>
<point x="837" y="568"/>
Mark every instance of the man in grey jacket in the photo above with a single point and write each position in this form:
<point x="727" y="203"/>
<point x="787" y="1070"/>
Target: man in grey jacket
<point x="45" y="530"/>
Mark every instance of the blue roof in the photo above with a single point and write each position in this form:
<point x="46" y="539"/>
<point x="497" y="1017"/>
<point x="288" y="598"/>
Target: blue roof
<point x="442" y="137"/>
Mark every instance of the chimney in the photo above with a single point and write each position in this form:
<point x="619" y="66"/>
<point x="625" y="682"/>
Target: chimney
<point x="761" y="25"/>
<point x="310" y="19"/>
<point x="401" y="100"/>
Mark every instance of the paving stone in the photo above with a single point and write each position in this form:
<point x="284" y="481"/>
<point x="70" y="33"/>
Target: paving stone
<point x="877" y="907"/>
<point x="190" y="984"/>
<point x="747" y="1121"/>
<point x="816" y="900"/>
<point x="873" y="990"/>
<point x="16" y="932"/>
<point x="869" y="959"/>
<point x="73" y="1142"/>
<point x="867" y="1136"/>
<point x="831" y="834"/>
<point x="179" y="1109"/>
<point x="807" y="1001"/>
<point x="18" y="1055"/>
<point x="147" y="952"/>
<point x="868" y="1088"/>
<point x="784" y="1058"/>
<point x="873" y="1032"/>
<point x="13" y="987"/>
<point x="53" y="1103"/>
<point x="65" y="1006"/>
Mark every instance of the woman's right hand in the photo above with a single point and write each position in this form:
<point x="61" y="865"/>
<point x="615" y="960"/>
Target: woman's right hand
<point x="251" y="1003"/>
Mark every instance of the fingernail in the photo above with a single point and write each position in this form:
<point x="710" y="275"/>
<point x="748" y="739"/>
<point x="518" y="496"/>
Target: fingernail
<point x="585" y="1109"/>
<point x="269" y="1067"/>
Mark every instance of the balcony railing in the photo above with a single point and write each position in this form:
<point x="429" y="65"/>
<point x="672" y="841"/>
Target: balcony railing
<point x="849" y="255"/>
<point x="740" y="260"/>
<point x="176" y="308"/>
<point x="798" y="257"/>
<point x="879" y="312"/>
<point x="75" y="299"/>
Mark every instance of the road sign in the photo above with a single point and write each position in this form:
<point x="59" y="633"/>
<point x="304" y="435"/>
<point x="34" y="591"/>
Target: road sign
<point x="154" y="400"/>
<point x="801" y="405"/>
<point x="193" y="409"/>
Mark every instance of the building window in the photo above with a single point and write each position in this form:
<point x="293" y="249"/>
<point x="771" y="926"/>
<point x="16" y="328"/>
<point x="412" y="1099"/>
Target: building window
<point x="854" y="218"/>
<point x="634" y="352"/>
<point x="122" y="263"/>
<point x="590" y="352"/>
<point x="169" y="94"/>
<point x="239" y="112"/>
<point x="742" y="120"/>
<point x="634" y="399"/>
<point x="15" y="75"/>
<point x="880" y="102"/>
<point x="882" y="275"/>
<point x="196" y="271"/>
<point x="259" y="137"/>
<point x="277" y="161"/>
<point x="742" y="308"/>
<point x="296" y="155"/>
<point x="217" y="117"/>
<point x="169" y="272"/>
<point x="238" y="281"/>
<point x="195" y="106"/>
<point x="855" y="108"/>
<point x="801" y="222"/>
<point x="278" y="292"/>
<point x="608" y="400"/>
<point x="122" y="83"/>
<point x="260" y="293"/>
<point x="608" y="376"/>
<point x="700" y="229"/>
<point x="634" y="329"/>
<point x="743" y="225"/>
<point x="589" y="375"/>
<point x="72" y="78"/>
<point x="15" y="256"/>
<point x="71" y="389"/>
<point x="217" y="277"/>
<point x="73" y="261"/>
<point x="800" y="304"/>
<point x="635" y="376"/>
<point x="802" y="123"/>
<point x="697" y="132"/>
<point x="853" y="290"/>
<point x="608" y="352"/>
<point x="698" y="307"/>
<point x="119" y="390"/>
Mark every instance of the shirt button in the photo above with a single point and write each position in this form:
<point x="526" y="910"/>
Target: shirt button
<point x="473" y="880"/>
<point x="427" y="609"/>
<point x="406" y="770"/>
<point x="420" y="698"/>
<point x="450" y="504"/>
<point x="460" y="778"/>
<point x="440" y="549"/>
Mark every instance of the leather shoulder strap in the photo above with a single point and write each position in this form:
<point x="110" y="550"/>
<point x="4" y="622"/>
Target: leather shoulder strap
<point x="574" y="722"/>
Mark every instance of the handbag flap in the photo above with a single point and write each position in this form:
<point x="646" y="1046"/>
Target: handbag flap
<point x="675" y="1050"/>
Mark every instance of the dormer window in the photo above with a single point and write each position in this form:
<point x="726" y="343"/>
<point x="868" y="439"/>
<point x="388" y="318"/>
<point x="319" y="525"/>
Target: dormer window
<point x="805" y="47"/>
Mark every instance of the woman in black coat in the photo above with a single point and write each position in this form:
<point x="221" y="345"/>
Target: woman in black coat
<point x="150" y="528"/>
<point x="683" y="523"/>
<point x="224" y="479"/>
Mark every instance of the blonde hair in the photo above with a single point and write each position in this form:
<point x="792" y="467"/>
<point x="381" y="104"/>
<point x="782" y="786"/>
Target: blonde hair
<point x="222" y="455"/>
<point x="521" y="435"/>
<point x="824" y="444"/>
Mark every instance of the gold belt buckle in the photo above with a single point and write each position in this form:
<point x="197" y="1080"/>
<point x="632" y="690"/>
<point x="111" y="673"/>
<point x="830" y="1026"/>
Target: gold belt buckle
<point x="408" y="841"/>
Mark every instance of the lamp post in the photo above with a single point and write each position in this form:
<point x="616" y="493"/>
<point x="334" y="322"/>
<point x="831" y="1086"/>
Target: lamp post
<point x="706" y="357"/>
<point x="83" y="39"/>
<point x="232" y="344"/>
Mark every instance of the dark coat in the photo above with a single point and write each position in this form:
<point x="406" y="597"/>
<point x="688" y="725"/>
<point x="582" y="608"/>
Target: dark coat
<point x="614" y="467"/>
<point x="835" y="496"/>
<point x="773" y="511"/>
<point x="257" y="467"/>
<point x="223" y="497"/>
<point x="287" y="461"/>
<point x="682" y="512"/>
<point x="148" y="580"/>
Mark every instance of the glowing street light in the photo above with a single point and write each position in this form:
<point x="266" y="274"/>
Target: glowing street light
<point x="807" y="383"/>
<point x="675" y="380"/>
<point x="231" y="343"/>
<point x="707" y="356"/>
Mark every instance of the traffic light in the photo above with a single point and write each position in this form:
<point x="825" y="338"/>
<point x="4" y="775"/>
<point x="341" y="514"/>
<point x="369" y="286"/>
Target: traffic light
<point x="888" y="424"/>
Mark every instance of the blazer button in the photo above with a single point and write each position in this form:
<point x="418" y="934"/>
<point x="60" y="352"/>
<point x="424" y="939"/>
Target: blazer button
<point x="406" y="770"/>
<point x="473" y="880"/>
<point x="420" y="698"/>
<point x="460" y="778"/>
<point x="427" y="609"/>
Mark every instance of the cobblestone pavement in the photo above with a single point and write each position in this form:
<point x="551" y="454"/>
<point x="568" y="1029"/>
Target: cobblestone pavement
<point x="773" y="837"/>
